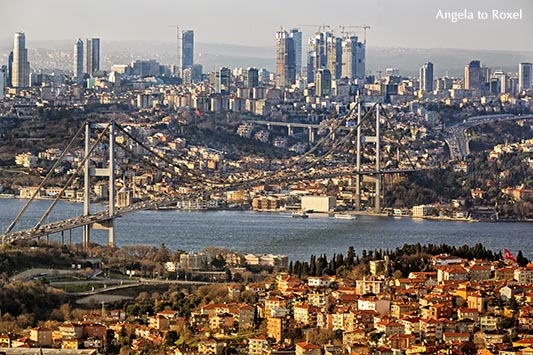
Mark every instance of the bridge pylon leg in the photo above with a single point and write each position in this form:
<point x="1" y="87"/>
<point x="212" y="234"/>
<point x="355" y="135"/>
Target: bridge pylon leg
<point x="86" y="236"/>
<point x="111" y="231"/>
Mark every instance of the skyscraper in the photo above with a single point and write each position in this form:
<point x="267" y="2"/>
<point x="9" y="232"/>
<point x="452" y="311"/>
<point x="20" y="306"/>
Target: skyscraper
<point x="223" y="81"/>
<point x="9" y="73"/>
<point x="250" y="78"/>
<point x="187" y="49"/>
<point x="21" y="67"/>
<point x="353" y="58"/>
<point x="503" y="81"/>
<point x="524" y="76"/>
<point x="334" y="56"/>
<point x="93" y="55"/>
<point x="323" y="82"/>
<point x="285" y="59"/>
<point x="296" y="35"/>
<point x="426" y="77"/>
<point x="78" y="61"/>
<point x="3" y="70"/>
<point x="473" y="76"/>
<point x="317" y="55"/>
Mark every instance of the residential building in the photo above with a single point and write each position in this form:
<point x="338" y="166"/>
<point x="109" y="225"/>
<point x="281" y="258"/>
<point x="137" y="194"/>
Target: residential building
<point x="42" y="336"/>
<point x="305" y="348"/>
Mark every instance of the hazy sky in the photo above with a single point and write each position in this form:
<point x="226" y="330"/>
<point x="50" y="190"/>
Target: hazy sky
<point x="395" y="23"/>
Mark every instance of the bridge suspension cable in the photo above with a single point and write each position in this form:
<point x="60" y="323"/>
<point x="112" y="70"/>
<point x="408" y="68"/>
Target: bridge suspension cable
<point x="159" y="156"/>
<point x="69" y="181"/>
<point x="45" y="180"/>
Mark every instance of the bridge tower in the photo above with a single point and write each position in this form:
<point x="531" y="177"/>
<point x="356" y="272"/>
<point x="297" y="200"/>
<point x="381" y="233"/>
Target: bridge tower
<point x="108" y="172"/>
<point x="376" y="139"/>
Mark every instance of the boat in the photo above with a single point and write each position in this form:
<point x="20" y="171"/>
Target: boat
<point x="300" y="215"/>
<point x="344" y="216"/>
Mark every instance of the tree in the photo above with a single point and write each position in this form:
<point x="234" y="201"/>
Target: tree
<point x="506" y="323"/>
<point x="521" y="260"/>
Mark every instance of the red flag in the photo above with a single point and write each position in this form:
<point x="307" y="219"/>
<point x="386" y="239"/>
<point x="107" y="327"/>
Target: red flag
<point x="197" y="112"/>
<point x="507" y="255"/>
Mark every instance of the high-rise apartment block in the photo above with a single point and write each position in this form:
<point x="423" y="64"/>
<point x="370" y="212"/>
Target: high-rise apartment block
<point x="334" y="56"/>
<point x="3" y="70"/>
<point x="285" y="59"/>
<point x="296" y="35"/>
<point x="223" y="81"/>
<point x="187" y="49"/>
<point x="9" y="72"/>
<point x="78" y="61"/>
<point x="353" y="58"/>
<point x="344" y="57"/>
<point x="93" y="55"/>
<point x="524" y="76"/>
<point x="473" y="76"/>
<point x="21" y="67"/>
<point x="323" y="82"/>
<point x="250" y="78"/>
<point x="426" y="77"/>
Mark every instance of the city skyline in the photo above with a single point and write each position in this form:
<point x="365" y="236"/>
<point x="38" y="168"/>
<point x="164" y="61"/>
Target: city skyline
<point x="387" y="18"/>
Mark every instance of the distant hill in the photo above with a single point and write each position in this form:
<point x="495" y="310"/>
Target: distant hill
<point x="57" y="55"/>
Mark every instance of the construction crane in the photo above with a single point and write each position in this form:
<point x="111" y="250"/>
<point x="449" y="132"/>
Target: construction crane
<point x="321" y="28"/>
<point x="364" y="27"/>
<point x="178" y="49"/>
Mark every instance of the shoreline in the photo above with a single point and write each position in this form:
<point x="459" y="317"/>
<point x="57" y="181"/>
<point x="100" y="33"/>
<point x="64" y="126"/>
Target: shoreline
<point x="330" y="214"/>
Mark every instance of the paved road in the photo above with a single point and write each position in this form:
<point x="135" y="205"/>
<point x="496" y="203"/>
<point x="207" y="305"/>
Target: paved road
<point x="456" y="137"/>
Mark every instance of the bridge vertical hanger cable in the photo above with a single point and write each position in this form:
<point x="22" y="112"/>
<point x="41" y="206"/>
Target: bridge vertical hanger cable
<point x="45" y="180"/>
<point x="273" y="176"/>
<point x="399" y="141"/>
<point x="69" y="181"/>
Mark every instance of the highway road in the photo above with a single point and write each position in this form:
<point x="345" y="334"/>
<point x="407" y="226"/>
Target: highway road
<point x="455" y="135"/>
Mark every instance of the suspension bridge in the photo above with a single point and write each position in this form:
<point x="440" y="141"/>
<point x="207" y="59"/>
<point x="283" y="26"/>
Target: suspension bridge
<point x="314" y="164"/>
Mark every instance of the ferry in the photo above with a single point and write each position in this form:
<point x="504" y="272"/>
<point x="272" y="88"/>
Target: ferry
<point x="344" y="216"/>
<point x="300" y="215"/>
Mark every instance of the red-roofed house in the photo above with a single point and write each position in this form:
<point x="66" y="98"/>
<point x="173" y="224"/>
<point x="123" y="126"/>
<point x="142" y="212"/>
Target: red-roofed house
<point x="305" y="348"/>
<point x="390" y="327"/>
